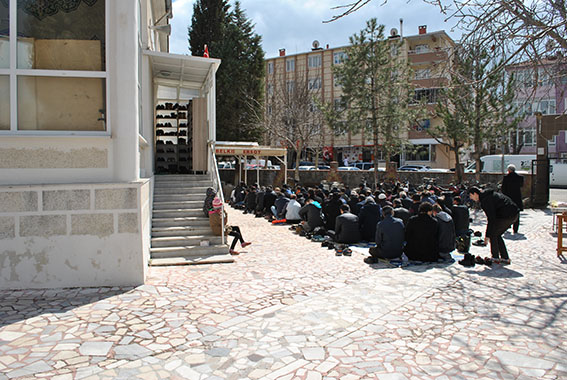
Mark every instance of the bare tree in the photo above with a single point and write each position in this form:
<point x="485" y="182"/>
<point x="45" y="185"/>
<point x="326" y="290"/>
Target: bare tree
<point x="292" y="118"/>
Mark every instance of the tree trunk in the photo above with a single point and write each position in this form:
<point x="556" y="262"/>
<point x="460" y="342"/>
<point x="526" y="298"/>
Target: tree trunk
<point x="458" y="169"/>
<point x="375" y="142"/>
<point x="297" y="160"/>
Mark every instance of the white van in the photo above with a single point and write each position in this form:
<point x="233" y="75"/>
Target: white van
<point x="523" y="163"/>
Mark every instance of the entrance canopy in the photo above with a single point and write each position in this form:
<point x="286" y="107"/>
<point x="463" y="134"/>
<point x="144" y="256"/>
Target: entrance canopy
<point x="242" y="150"/>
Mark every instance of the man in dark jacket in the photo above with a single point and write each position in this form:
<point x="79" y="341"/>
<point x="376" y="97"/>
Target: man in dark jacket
<point x="331" y="209"/>
<point x="346" y="227"/>
<point x="512" y="184"/>
<point x="278" y="209"/>
<point x="461" y="218"/>
<point x="401" y="212"/>
<point x="269" y="200"/>
<point x="260" y="202"/>
<point x="250" y="201"/>
<point x="422" y="231"/>
<point x="501" y="212"/>
<point x="447" y="237"/>
<point x="389" y="238"/>
<point x="312" y="215"/>
<point x="368" y="217"/>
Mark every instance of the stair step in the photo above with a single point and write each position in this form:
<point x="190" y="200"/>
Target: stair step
<point x="180" y="231"/>
<point x="185" y="241"/>
<point x="191" y="221"/>
<point x="177" y="213"/>
<point x="180" y="251"/>
<point x="168" y="205"/>
<point x="182" y="184"/>
<point x="202" y="190"/>
<point x="196" y="260"/>
<point x="182" y="177"/>
<point x="179" y="197"/>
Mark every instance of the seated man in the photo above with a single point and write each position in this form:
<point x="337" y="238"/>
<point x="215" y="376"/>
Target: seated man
<point x="312" y="215"/>
<point x="447" y="238"/>
<point x="292" y="210"/>
<point x="389" y="238"/>
<point x="370" y="214"/>
<point x="278" y="209"/>
<point x="346" y="227"/>
<point x="422" y="230"/>
<point x="401" y="212"/>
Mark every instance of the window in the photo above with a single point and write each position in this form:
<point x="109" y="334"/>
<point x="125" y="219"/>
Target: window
<point x="270" y="89"/>
<point x="314" y="60"/>
<point x="339" y="57"/>
<point x="290" y="86"/>
<point x="546" y="106"/>
<point x="428" y="95"/>
<point x="339" y="104"/>
<point x="529" y="137"/>
<point x="419" y="49"/>
<point x="314" y="84"/>
<point x="60" y="67"/>
<point x="420" y="152"/>
<point x="270" y="67"/>
<point x="290" y="65"/>
<point x="336" y="82"/>
<point x="422" y="74"/>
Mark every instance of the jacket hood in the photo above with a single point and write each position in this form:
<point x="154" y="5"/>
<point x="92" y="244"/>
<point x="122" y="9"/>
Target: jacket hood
<point x="444" y="217"/>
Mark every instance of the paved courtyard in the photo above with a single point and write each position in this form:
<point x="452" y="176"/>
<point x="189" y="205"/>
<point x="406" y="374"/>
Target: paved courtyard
<point x="289" y="309"/>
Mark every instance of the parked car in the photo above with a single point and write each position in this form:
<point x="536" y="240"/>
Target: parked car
<point x="414" y="168"/>
<point x="348" y="168"/>
<point x="303" y="163"/>
<point x="323" y="167"/>
<point x="306" y="167"/>
<point x="364" y="165"/>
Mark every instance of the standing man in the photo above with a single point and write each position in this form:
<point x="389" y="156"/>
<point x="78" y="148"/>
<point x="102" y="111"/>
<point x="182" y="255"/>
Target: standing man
<point x="501" y="212"/>
<point x="512" y="184"/>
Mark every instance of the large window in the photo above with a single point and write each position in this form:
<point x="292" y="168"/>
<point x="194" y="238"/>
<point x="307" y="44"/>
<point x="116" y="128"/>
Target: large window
<point x="421" y="152"/>
<point x="339" y="57"/>
<point x="290" y="65"/>
<point x="314" y="61"/>
<point x="427" y="95"/>
<point x="57" y="79"/>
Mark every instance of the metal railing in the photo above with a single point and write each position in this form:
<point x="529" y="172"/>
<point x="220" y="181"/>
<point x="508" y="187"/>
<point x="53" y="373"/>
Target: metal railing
<point x="217" y="185"/>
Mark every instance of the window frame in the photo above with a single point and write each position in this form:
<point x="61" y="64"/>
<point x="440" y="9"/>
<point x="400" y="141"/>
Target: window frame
<point x="14" y="72"/>
<point x="314" y="61"/>
<point x="290" y="65"/>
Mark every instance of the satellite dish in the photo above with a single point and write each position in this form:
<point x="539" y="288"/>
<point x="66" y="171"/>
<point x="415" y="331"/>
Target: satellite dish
<point x="315" y="44"/>
<point x="393" y="32"/>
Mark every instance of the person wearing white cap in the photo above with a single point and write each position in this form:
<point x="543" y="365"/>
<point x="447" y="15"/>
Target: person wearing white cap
<point x="215" y="223"/>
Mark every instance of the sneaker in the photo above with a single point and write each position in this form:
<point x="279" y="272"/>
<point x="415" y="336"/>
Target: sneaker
<point x="233" y="252"/>
<point x="347" y="252"/>
<point x="338" y="253"/>
<point x="246" y="244"/>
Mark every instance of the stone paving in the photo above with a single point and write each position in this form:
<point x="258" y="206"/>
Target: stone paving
<point x="289" y="309"/>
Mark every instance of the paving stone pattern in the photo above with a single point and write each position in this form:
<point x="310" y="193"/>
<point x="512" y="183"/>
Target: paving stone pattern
<point x="289" y="309"/>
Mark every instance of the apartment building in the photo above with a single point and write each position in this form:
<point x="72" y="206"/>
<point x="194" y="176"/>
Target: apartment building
<point x="428" y="54"/>
<point x="540" y="88"/>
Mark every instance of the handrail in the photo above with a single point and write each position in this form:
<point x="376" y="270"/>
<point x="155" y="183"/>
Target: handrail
<point x="217" y="184"/>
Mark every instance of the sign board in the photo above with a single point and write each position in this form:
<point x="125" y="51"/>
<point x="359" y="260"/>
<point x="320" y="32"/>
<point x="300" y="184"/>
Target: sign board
<point x="249" y="151"/>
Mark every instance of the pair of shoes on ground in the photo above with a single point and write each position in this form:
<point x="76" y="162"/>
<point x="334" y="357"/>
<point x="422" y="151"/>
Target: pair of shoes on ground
<point x="500" y="261"/>
<point x="486" y="261"/>
<point x="369" y="260"/>
<point x="468" y="260"/>
<point x="343" y="251"/>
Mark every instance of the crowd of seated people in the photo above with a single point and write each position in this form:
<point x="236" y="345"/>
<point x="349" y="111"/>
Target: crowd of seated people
<point x="425" y="223"/>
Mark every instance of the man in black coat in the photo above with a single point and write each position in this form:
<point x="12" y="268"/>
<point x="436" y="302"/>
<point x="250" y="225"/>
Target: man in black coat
<point x="331" y="209"/>
<point x="512" y="184"/>
<point x="260" y="202"/>
<point x="501" y="212"/>
<point x="422" y="231"/>
<point x="389" y="238"/>
<point x="346" y="227"/>
<point x="269" y="200"/>
<point x="312" y="215"/>
<point x="250" y="201"/>
<point x="401" y="212"/>
<point x="368" y="217"/>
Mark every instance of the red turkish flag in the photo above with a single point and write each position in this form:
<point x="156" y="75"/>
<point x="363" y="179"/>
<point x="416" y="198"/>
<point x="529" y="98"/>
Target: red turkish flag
<point x="206" y="53"/>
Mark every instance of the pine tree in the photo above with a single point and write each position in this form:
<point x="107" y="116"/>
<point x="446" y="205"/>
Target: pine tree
<point x="377" y="91"/>
<point x="241" y="73"/>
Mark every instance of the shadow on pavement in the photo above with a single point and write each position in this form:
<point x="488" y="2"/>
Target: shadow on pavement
<point x="500" y="272"/>
<point x="19" y="305"/>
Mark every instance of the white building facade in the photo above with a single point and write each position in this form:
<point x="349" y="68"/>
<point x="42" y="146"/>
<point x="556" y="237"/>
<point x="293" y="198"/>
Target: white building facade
<point x="79" y="81"/>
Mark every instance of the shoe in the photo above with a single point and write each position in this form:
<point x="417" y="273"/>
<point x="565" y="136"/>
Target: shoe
<point x="347" y="252"/>
<point x="330" y="246"/>
<point x="495" y="260"/>
<point x="338" y="253"/>
<point x="488" y="261"/>
<point x="505" y="261"/>
<point x="468" y="261"/>
<point x="246" y="244"/>
<point x="233" y="252"/>
<point x="478" y="260"/>
<point x="480" y="243"/>
<point x="369" y="260"/>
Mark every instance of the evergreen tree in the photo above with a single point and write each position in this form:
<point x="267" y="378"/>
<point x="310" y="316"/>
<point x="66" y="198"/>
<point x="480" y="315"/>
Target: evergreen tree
<point x="241" y="73"/>
<point x="377" y="91"/>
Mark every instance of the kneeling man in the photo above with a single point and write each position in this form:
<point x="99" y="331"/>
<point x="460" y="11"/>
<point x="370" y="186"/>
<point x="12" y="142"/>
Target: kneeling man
<point x="389" y="238"/>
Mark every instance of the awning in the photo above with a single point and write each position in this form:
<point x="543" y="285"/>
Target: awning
<point x="424" y="141"/>
<point x="252" y="150"/>
<point x="182" y="71"/>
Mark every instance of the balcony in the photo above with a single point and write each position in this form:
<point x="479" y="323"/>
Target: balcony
<point x="430" y="82"/>
<point x="437" y="55"/>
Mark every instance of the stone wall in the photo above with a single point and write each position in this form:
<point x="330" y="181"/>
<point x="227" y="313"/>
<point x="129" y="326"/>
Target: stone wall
<point x="353" y="178"/>
<point x="74" y="235"/>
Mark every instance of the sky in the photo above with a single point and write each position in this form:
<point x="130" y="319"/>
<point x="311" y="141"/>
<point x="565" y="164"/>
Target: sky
<point x="295" y="24"/>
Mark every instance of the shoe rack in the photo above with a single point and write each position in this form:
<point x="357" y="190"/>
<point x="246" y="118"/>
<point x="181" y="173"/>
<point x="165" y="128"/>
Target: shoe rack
<point x="174" y="132"/>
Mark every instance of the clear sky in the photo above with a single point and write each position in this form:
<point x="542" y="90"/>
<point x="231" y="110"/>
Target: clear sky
<point x="295" y="24"/>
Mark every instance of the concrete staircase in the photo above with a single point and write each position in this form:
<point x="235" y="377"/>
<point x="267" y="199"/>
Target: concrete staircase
<point x="178" y="224"/>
